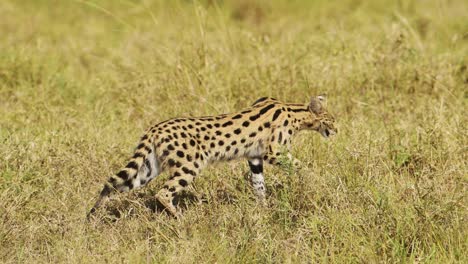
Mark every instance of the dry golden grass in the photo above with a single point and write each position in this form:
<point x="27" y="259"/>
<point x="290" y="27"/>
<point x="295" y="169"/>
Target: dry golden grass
<point x="81" y="80"/>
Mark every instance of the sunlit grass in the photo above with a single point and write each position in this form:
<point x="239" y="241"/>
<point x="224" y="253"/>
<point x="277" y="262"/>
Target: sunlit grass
<point x="80" y="81"/>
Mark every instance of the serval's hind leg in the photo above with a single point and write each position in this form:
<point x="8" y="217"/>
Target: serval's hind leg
<point x="180" y="179"/>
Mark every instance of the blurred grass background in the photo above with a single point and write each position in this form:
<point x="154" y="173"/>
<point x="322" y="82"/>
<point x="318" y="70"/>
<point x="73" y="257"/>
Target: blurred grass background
<point x="80" y="81"/>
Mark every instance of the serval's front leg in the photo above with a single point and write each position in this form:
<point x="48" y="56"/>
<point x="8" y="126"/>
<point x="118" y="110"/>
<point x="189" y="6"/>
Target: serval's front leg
<point x="256" y="179"/>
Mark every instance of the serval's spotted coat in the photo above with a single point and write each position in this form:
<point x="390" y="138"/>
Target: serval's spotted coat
<point x="184" y="146"/>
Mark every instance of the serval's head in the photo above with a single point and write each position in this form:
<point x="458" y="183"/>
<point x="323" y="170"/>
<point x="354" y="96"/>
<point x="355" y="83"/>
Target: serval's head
<point x="321" y="120"/>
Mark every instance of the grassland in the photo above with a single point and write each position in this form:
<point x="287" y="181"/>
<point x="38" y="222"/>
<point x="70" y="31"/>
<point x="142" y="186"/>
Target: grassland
<point x="81" y="80"/>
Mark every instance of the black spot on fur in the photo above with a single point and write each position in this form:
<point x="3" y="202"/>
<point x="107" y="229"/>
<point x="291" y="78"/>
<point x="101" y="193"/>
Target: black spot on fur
<point x="218" y="133"/>
<point x="132" y="165"/>
<point x="217" y="125"/>
<point x="138" y="155"/>
<point x="286" y="122"/>
<point x="184" y="145"/>
<point x="276" y="114"/>
<point x="212" y="145"/>
<point x="129" y="184"/>
<point x="259" y="100"/>
<point x="148" y="166"/>
<point x="183" y="183"/>
<point x="192" y="142"/>
<point x="242" y="140"/>
<point x="300" y="110"/>
<point x="123" y="175"/>
<point x="246" y="123"/>
<point x="256" y="169"/>
<point x="227" y="135"/>
<point x="253" y="134"/>
<point x="113" y="180"/>
<point x="237" y="116"/>
<point x="171" y="163"/>
<point x="254" y="117"/>
<point x="267" y="124"/>
<point x="189" y="158"/>
<point x="141" y="145"/>
<point x="228" y="123"/>
<point x="148" y="149"/>
<point x="188" y="171"/>
<point x="180" y="154"/>
<point x="105" y="191"/>
<point x="145" y="137"/>
<point x="237" y="131"/>
<point x="266" y="108"/>
<point x="234" y="143"/>
<point x="170" y="147"/>
<point x="280" y="137"/>
<point x="290" y="132"/>
<point x="221" y="142"/>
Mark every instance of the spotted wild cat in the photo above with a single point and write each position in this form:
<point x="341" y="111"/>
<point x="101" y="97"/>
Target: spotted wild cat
<point x="184" y="146"/>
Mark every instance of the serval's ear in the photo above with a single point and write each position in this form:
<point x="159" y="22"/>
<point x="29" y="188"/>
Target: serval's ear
<point x="315" y="105"/>
<point x="322" y="98"/>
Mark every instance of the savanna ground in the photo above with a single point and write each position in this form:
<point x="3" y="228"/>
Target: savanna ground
<point x="80" y="81"/>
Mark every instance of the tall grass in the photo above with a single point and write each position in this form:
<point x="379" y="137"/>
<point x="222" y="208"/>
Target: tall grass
<point x="81" y="80"/>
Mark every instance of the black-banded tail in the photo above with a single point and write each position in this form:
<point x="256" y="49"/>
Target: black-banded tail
<point x="141" y="169"/>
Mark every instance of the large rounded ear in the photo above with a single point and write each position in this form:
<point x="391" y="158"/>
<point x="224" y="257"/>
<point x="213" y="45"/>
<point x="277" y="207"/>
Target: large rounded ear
<point x="322" y="98"/>
<point x="315" y="105"/>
